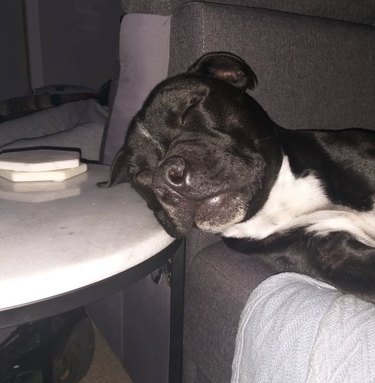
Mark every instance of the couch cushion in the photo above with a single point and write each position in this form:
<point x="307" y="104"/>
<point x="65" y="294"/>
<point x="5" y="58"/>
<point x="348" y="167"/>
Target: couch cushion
<point x="198" y="240"/>
<point x="218" y="283"/>
<point x="362" y="11"/>
<point x="312" y="73"/>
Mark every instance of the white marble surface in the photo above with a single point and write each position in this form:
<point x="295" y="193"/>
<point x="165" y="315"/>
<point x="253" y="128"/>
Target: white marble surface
<point x="49" y="246"/>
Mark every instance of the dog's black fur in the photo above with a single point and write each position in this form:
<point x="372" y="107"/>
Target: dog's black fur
<point x="203" y="153"/>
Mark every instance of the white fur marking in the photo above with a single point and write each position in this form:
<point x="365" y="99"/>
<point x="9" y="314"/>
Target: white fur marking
<point x="217" y="228"/>
<point x="145" y="133"/>
<point x="360" y="225"/>
<point x="301" y="202"/>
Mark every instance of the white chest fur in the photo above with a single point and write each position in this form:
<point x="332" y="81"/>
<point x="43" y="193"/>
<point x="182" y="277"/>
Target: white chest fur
<point x="301" y="202"/>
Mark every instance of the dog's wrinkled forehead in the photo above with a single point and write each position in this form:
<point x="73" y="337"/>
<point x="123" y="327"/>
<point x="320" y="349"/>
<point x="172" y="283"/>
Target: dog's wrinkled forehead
<point x="187" y="97"/>
<point x="187" y="109"/>
<point x="199" y="111"/>
<point x="218" y="72"/>
<point x="174" y="95"/>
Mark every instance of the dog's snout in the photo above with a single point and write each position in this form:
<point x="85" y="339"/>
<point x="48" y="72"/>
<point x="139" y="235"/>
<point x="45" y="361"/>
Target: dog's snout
<point x="175" y="171"/>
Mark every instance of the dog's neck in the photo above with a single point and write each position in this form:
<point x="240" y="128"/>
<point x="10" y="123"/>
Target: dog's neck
<point x="273" y="155"/>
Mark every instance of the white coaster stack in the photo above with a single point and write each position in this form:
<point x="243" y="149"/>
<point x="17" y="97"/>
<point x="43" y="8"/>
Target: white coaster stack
<point x="40" y="165"/>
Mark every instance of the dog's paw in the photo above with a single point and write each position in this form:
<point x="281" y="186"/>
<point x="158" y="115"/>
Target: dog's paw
<point x="238" y="230"/>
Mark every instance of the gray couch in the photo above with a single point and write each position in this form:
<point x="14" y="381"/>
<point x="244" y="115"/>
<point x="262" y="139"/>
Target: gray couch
<point x="315" y="64"/>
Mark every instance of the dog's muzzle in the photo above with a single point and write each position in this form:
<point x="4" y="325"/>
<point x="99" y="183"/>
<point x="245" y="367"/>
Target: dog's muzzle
<point x="174" y="185"/>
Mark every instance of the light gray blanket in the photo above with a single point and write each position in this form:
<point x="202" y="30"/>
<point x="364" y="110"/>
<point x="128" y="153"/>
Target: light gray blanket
<point x="295" y="329"/>
<point x="75" y="125"/>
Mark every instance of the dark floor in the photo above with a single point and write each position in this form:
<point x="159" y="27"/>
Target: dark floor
<point x="105" y="367"/>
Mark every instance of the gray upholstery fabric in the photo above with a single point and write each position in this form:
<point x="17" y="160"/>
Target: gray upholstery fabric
<point x="144" y="56"/>
<point x="218" y="283"/>
<point x="362" y="11"/>
<point x="198" y="240"/>
<point x="312" y="73"/>
<point x="192" y="372"/>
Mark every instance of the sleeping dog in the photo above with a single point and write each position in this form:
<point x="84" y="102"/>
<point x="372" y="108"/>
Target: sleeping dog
<point x="204" y="154"/>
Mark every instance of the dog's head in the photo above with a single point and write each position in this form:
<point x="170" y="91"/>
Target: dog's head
<point x="197" y="150"/>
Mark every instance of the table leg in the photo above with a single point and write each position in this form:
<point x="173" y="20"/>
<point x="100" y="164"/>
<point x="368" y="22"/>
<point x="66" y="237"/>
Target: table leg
<point x="46" y="349"/>
<point x="177" y="314"/>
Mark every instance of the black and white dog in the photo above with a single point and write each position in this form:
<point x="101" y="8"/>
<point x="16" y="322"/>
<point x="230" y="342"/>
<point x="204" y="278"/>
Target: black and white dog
<point x="204" y="154"/>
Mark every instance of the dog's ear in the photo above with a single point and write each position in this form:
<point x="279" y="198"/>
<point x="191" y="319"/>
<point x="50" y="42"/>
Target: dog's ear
<point x="118" y="172"/>
<point x="225" y="66"/>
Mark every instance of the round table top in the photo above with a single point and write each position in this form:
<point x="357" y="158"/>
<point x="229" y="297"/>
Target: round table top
<point x="56" y="237"/>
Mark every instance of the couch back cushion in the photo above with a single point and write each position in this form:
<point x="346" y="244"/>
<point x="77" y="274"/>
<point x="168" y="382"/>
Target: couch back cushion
<point x="360" y="11"/>
<point x="313" y="73"/>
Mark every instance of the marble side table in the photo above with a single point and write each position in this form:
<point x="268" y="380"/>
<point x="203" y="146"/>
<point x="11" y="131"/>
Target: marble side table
<point x="66" y="244"/>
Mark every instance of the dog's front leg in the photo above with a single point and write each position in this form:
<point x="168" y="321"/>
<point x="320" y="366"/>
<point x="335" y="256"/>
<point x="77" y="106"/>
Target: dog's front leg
<point x="283" y="253"/>
<point x="346" y="262"/>
<point x="337" y="258"/>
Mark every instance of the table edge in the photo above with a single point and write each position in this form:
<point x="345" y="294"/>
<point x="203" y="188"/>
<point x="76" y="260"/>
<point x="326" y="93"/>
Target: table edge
<point x="57" y="304"/>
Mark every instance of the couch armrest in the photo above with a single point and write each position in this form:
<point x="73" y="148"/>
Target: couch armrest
<point x="218" y="284"/>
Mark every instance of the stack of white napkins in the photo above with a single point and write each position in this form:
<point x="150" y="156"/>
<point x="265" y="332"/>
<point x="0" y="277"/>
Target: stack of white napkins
<point x="40" y="165"/>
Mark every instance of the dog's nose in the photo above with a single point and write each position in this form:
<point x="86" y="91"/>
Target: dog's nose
<point x="175" y="171"/>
